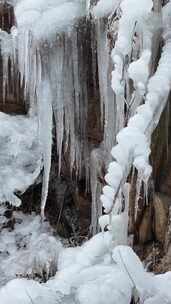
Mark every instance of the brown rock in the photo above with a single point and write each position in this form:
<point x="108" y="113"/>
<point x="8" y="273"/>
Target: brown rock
<point x="161" y="212"/>
<point x="145" y="228"/>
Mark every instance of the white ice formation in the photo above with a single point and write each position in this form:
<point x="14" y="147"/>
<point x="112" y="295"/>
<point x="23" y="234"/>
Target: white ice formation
<point x="86" y="274"/>
<point x="150" y="95"/>
<point x="45" y="46"/>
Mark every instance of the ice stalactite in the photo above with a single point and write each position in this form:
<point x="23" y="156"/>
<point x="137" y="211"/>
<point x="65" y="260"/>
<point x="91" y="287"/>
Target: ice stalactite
<point x="45" y="135"/>
<point x="100" y="156"/>
<point x="7" y="55"/>
<point x="67" y="76"/>
<point x="107" y="98"/>
<point x="21" y="160"/>
<point x="96" y="173"/>
<point x="54" y="56"/>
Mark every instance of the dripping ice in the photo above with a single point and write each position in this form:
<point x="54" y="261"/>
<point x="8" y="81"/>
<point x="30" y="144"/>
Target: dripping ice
<point x="61" y="70"/>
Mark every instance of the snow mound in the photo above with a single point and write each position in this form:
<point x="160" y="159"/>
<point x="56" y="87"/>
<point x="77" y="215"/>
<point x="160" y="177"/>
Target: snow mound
<point x="24" y="292"/>
<point x="85" y="274"/>
<point x="115" y="272"/>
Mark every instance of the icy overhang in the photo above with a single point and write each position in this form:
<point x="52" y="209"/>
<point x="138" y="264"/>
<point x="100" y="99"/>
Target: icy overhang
<point x="45" y="18"/>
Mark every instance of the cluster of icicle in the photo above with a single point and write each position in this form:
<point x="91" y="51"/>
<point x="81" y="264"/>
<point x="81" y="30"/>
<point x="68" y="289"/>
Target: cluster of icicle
<point x="133" y="141"/>
<point x="7" y="52"/>
<point x="52" y="70"/>
<point x="46" y="49"/>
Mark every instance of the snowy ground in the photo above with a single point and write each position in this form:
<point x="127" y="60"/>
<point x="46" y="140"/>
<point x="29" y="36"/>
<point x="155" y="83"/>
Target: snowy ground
<point x="86" y="274"/>
<point x="22" y="249"/>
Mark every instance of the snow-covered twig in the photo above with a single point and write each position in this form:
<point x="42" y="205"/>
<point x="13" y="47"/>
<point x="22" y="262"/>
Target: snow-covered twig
<point x="134" y="141"/>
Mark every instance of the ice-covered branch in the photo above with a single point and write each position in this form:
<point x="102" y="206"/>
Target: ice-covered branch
<point x="133" y="146"/>
<point x="129" y="30"/>
<point x="133" y="21"/>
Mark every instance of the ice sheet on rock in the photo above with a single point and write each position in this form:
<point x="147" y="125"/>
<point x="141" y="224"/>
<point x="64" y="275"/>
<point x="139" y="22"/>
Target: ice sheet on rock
<point x="20" y="155"/>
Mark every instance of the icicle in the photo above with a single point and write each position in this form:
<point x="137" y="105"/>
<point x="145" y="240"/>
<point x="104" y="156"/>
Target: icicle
<point x="107" y="99"/>
<point x="6" y="46"/>
<point x="101" y="47"/>
<point x="94" y="58"/>
<point x="54" y="53"/>
<point x="96" y="164"/>
<point x="55" y="70"/>
<point x="138" y="192"/>
<point x="45" y="135"/>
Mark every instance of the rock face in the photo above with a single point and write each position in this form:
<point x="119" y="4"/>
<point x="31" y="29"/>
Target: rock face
<point x="145" y="228"/>
<point x="161" y="212"/>
<point x="6" y="16"/>
<point x="13" y="103"/>
<point x="167" y="260"/>
<point x="154" y="220"/>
